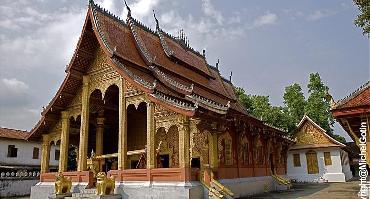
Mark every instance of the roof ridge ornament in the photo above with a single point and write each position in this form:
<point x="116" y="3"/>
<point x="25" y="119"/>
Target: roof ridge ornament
<point x="128" y="8"/>
<point x="91" y="2"/>
<point x="156" y="20"/>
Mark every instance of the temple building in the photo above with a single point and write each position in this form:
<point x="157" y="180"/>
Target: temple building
<point x="146" y="108"/>
<point x="317" y="157"/>
<point x="353" y="114"/>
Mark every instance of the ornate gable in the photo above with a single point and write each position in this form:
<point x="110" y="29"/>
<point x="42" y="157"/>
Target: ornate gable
<point x="310" y="134"/>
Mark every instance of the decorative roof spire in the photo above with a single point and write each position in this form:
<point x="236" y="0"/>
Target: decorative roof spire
<point x="217" y="63"/>
<point x="231" y="75"/>
<point x="156" y="20"/>
<point x="128" y="8"/>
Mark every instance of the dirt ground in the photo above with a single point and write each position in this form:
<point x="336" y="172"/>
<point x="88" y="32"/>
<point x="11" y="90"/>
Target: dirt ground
<point x="345" y="190"/>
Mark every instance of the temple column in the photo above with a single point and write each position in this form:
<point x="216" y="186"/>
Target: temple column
<point x="213" y="152"/>
<point x="99" y="135"/>
<point x="184" y="142"/>
<point x="84" y="131"/>
<point x="64" y="142"/>
<point x="150" y="150"/>
<point x="122" y="134"/>
<point x="45" y="153"/>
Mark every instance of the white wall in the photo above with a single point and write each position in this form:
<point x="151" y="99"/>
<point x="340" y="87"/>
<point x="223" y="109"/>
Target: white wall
<point x="25" y="153"/>
<point x="16" y="187"/>
<point x="331" y="173"/>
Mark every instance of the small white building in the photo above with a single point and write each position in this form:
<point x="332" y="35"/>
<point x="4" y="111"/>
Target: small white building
<point x="20" y="162"/>
<point x="17" y="153"/>
<point x="316" y="156"/>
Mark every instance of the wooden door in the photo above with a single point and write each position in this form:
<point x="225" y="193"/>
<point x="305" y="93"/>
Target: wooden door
<point x="312" y="165"/>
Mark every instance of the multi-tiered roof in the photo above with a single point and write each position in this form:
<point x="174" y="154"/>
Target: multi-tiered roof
<point x="163" y="66"/>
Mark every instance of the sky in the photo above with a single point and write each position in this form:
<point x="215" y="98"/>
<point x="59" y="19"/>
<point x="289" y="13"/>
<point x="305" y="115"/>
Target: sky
<point x="267" y="44"/>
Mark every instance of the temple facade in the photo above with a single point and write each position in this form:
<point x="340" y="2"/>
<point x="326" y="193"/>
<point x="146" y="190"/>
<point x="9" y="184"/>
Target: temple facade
<point x="143" y="106"/>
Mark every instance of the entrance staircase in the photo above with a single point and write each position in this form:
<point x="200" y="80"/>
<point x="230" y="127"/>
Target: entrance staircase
<point x="91" y="194"/>
<point x="215" y="189"/>
<point x="282" y="181"/>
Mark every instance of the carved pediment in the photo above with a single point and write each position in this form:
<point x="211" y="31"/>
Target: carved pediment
<point x="308" y="133"/>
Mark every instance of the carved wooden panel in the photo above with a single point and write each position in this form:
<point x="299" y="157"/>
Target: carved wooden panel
<point x="225" y="152"/>
<point x="165" y="118"/>
<point x="199" y="144"/>
<point x="167" y="142"/>
<point x="102" y="75"/>
<point x="244" y="155"/>
<point x="310" y="134"/>
<point x="132" y="90"/>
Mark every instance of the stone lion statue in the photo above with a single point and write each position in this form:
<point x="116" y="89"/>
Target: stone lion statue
<point x="104" y="185"/>
<point x="62" y="184"/>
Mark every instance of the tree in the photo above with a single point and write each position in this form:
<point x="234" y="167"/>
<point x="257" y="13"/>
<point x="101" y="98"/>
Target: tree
<point x="244" y="99"/>
<point x="295" y="102"/>
<point x="363" y="18"/>
<point x="317" y="107"/>
<point x="260" y="107"/>
<point x="72" y="158"/>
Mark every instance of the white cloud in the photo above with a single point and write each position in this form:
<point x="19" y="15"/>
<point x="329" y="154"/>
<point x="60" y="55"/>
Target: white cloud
<point x="319" y="14"/>
<point x="141" y="8"/>
<point x="209" y="10"/>
<point x="266" y="19"/>
<point x="14" y="84"/>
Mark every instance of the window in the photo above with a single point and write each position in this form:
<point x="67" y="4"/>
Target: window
<point x="165" y="160"/>
<point x="35" y="154"/>
<point x="12" y="151"/>
<point x="57" y="154"/>
<point x="296" y="160"/>
<point x="327" y="158"/>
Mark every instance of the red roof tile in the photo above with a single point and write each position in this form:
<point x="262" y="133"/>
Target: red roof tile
<point x="13" y="133"/>
<point x="359" y="98"/>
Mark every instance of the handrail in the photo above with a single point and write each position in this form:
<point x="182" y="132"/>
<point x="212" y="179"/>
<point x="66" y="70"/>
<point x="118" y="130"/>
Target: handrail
<point x="281" y="180"/>
<point x="214" y="191"/>
<point x="222" y="187"/>
<point x="105" y="156"/>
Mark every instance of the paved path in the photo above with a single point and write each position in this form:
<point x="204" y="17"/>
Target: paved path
<point x="347" y="190"/>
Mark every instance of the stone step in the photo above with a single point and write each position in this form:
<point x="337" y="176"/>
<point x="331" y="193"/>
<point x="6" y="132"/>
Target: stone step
<point x="93" y="196"/>
<point x="88" y="191"/>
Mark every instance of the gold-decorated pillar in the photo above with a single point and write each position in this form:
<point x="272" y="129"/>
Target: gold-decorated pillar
<point x="64" y="142"/>
<point x="99" y="135"/>
<point x="184" y="142"/>
<point x="213" y="153"/>
<point x="150" y="150"/>
<point x="45" y="153"/>
<point x="84" y="130"/>
<point x="122" y="132"/>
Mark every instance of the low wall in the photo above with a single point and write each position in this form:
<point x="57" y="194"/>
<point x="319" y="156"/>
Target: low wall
<point x="158" y="174"/>
<point x="11" y="187"/>
<point x="244" y="187"/>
